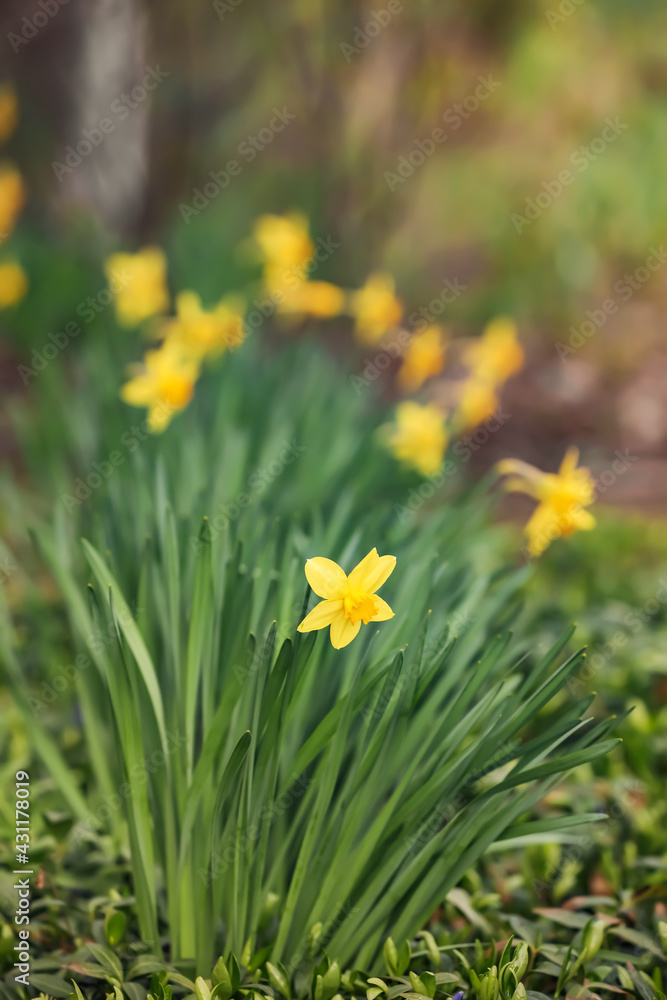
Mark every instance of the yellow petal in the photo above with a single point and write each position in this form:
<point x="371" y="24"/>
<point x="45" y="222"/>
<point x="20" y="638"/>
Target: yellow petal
<point x="569" y="463"/>
<point x="369" y="575"/>
<point x="544" y="525"/>
<point x="343" y="631"/>
<point x="326" y="578"/>
<point x="159" y="417"/>
<point x="384" y="612"/>
<point x="322" y="615"/>
<point x="139" y="391"/>
<point x="583" y="521"/>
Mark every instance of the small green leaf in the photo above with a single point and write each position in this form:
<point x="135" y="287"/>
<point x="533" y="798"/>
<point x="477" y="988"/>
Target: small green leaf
<point x="431" y="947"/>
<point x="278" y="979"/>
<point x="221" y="980"/>
<point x="201" y="989"/>
<point x="404" y="954"/>
<point x="390" y="957"/>
<point x="115" y="923"/>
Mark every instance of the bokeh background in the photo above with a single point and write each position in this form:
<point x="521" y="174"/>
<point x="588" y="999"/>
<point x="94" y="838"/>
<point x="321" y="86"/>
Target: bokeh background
<point x="363" y="86"/>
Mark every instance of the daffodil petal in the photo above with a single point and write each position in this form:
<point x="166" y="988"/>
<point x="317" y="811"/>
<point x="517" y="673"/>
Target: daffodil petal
<point x="584" y="520"/>
<point x="326" y="578"/>
<point x="138" y="391"/>
<point x="159" y="416"/>
<point x="369" y="575"/>
<point x="570" y="460"/>
<point x="363" y="569"/>
<point x="322" y="615"/>
<point x="343" y="631"/>
<point x="384" y="612"/>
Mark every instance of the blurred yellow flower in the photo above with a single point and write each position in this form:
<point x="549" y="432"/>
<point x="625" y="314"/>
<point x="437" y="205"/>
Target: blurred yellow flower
<point x="375" y="308"/>
<point x="202" y="333"/>
<point x="165" y="383"/>
<point x="562" y="497"/>
<point x="13" y="284"/>
<point x="476" y="403"/>
<point x="283" y="241"/>
<point x="419" y="437"/>
<point x="424" y="357"/>
<point x="495" y="355"/>
<point x="142" y="291"/>
<point x="348" y="600"/>
<point x="314" y="298"/>
<point x="9" y="111"/>
<point x="12" y="198"/>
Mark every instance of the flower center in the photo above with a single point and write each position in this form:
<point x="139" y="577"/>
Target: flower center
<point x="360" y="607"/>
<point x="567" y="493"/>
<point x="175" y="389"/>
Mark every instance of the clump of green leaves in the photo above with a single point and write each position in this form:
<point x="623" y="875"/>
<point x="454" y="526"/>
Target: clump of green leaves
<point x="264" y="783"/>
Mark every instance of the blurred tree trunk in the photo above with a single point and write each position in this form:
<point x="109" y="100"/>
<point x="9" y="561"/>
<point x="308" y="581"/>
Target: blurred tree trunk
<point x="112" y="179"/>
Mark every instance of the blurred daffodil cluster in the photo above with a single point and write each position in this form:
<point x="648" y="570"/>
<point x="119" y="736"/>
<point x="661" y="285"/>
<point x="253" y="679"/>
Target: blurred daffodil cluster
<point x="421" y="433"/>
<point x="165" y="382"/>
<point x="422" y="429"/>
<point x="13" y="279"/>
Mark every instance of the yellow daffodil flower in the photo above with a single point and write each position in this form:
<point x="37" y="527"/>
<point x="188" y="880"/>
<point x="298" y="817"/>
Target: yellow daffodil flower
<point x="313" y="298"/>
<point x="9" y="111"/>
<point x="495" y="355"/>
<point x="12" y="198"/>
<point x="203" y="333"/>
<point x="562" y="497"/>
<point x="476" y="403"/>
<point x="419" y="437"/>
<point x="424" y="357"/>
<point x="348" y="600"/>
<point x="375" y="308"/>
<point x="139" y="284"/>
<point x="283" y="241"/>
<point x="13" y="284"/>
<point x="165" y="383"/>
